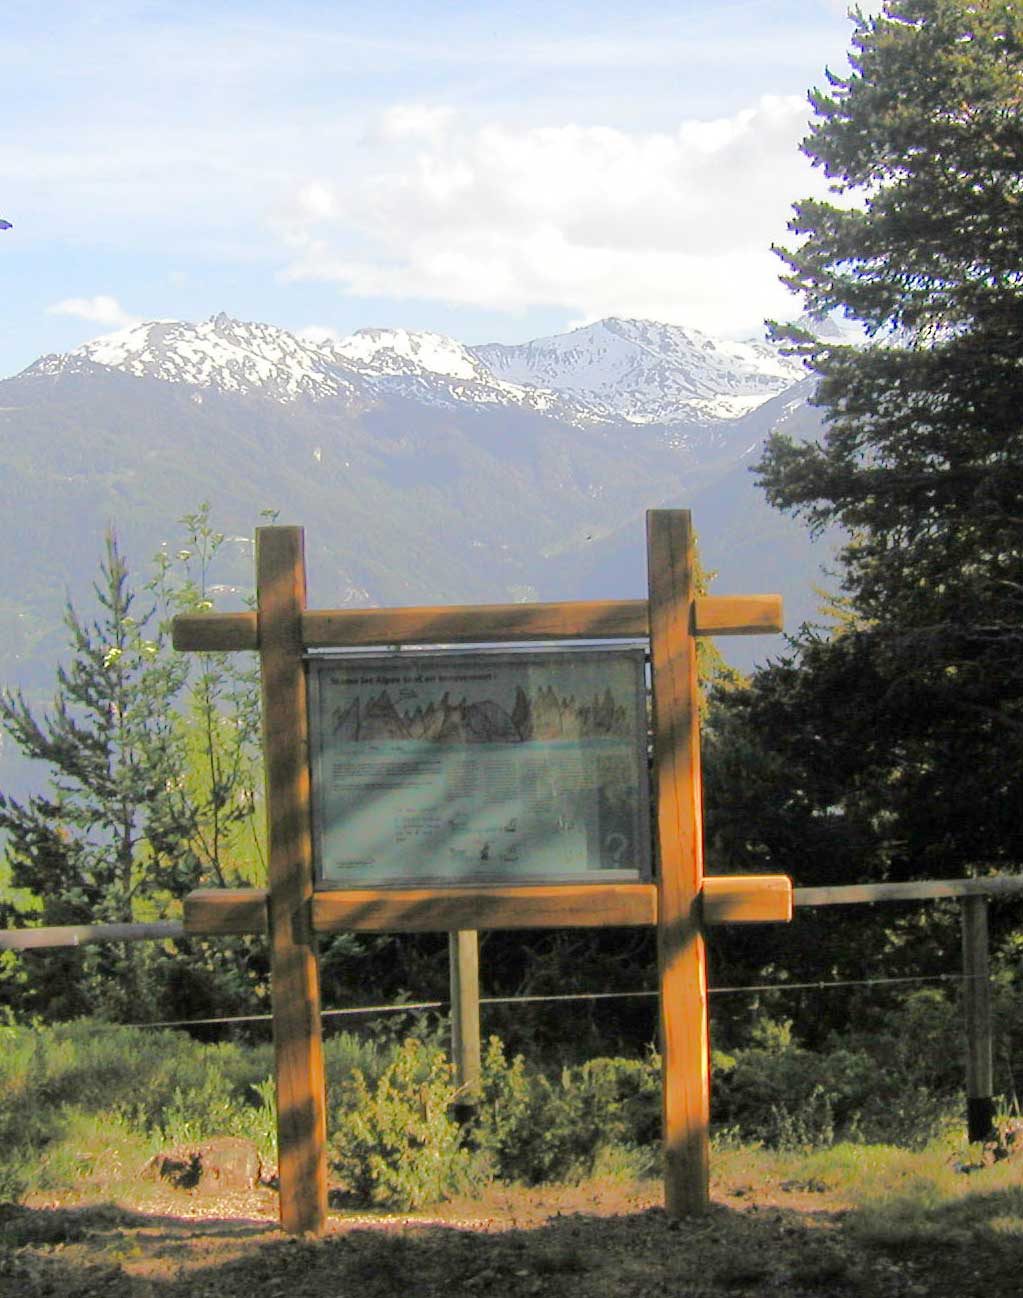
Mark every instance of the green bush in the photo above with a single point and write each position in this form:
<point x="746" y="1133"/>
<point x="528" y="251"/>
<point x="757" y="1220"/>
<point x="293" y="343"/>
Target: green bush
<point x="395" y="1142"/>
<point x="346" y="1052"/>
<point x="595" y="1115"/>
<point x="861" y="1089"/>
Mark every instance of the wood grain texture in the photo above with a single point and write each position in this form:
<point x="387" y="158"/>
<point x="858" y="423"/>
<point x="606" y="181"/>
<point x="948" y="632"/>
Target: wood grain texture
<point x="747" y="899"/>
<point x="215" y="632"/>
<point x="738" y="614"/>
<point x="728" y="899"/>
<point x="480" y="623"/>
<point x="439" y="910"/>
<point x="298" y="1046"/>
<point x="977" y="998"/>
<point x="464" y="976"/>
<point x="913" y="890"/>
<point x="505" y="623"/>
<point x="685" y="1051"/>
<point x="212" y="911"/>
<point x="36" y="939"/>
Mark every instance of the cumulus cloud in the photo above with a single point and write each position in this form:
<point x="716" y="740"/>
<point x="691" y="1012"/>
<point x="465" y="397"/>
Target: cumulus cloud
<point x="597" y="220"/>
<point x="101" y="309"/>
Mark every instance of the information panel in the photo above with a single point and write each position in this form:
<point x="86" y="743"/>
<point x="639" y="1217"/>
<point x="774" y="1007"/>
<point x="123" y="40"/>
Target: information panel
<point x="433" y="768"/>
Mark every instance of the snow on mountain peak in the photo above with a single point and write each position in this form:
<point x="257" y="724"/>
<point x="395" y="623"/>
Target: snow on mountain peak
<point x="615" y="370"/>
<point x="402" y="351"/>
<point x="647" y="372"/>
<point x="216" y="353"/>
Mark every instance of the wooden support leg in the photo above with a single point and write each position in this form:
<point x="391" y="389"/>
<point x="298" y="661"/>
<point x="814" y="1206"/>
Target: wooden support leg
<point x="980" y="1105"/>
<point x="298" y="1045"/>
<point x="681" y="958"/>
<point x="463" y="955"/>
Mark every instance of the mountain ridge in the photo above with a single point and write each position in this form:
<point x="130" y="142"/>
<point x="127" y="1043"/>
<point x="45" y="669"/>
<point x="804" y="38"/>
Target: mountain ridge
<point x="611" y="371"/>
<point x="418" y="479"/>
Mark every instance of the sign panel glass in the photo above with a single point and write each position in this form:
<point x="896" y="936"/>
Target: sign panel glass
<point x="485" y="767"/>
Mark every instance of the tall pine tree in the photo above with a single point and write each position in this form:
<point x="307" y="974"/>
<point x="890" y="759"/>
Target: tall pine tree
<point x="922" y="455"/>
<point x="111" y="746"/>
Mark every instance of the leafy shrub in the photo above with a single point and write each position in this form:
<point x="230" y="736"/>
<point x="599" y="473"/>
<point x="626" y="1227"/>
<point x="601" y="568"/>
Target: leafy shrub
<point x="394" y="1142"/>
<point x="345" y="1052"/>
<point x="107" y="1152"/>
<point x="595" y="1115"/>
<point x="393" y="1138"/>
<point x="217" y="1109"/>
<point x="788" y="1097"/>
<point x="862" y="1088"/>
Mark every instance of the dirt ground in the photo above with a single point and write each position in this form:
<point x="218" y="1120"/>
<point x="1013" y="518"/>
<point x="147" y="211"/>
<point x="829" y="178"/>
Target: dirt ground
<point x="598" y="1239"/>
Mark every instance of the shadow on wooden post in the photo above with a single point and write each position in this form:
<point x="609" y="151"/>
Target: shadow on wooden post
<point x="298" y="1047"/>
<point x="464" y="960"/>
<point x="980" y="1104"/>
<point x="685" y="1050"/>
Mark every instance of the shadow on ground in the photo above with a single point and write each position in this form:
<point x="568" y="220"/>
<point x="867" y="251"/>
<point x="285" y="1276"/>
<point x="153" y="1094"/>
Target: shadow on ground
<point x="761" y="1250"/>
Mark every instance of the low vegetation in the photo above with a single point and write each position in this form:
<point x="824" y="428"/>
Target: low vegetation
<point x="81" y="1099"/>
<point x="556" y="1182"/>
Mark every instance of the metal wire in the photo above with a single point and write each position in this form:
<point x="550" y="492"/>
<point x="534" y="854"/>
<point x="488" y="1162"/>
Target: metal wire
<point x="408" y="1007"/>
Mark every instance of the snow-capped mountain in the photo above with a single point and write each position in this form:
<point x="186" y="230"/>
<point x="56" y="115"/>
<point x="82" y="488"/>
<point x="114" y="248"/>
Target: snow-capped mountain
<point x="424" y="471"/>
<point x="217" y="353"/>
<point x="401" y="351"/>
<point x="432" y="368"/>
<point x="645" y="372"/>
<point x="615" y="370"/>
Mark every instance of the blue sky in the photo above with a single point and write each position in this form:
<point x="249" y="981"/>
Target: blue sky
<point x="491" y="170"/>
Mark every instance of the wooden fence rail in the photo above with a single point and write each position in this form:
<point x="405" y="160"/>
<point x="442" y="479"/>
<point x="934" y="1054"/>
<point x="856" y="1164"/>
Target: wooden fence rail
<point x="34" y="939"/>
<point x="25" y="939"/>
<point x="973" y="894"/>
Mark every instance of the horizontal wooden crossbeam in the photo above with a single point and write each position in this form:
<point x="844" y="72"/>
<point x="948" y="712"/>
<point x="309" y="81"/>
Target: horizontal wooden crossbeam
<point x="726" y="899"/>
<point x="219" y="912"/>
<point x="422" y="910"/>
<point x="747" y="898"/>
<point x="620" y="619"/>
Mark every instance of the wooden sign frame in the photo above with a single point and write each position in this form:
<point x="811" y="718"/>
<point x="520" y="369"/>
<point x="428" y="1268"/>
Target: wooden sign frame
<point x="680" y="902"/>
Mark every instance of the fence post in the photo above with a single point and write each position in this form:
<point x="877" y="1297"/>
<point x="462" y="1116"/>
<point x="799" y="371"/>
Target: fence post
<point x="980" y="1106"/>
<point x="464" y="961"/>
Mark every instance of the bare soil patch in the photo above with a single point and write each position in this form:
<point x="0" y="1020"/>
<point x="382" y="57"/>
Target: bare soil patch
<point x="761" y="1238"/>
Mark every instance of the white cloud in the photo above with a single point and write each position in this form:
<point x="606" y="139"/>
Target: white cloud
<point x="100" y="309"/>
<point x="316" y="201"/>
<point x="596" y="220"/>
<point x="318" y="334"/>
<point x="411" y="121"/>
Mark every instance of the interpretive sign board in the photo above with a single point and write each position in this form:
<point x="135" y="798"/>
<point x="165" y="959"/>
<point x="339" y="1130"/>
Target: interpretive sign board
<point x="434" y="768"/>
<point x="595" y="705"/>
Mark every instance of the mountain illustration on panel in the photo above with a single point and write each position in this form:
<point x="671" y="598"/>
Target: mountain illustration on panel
<point x="546" y="716"/>
<point x="346" y="721"/>
<point x="379" y="719"/>
<point x="485" y="722"/>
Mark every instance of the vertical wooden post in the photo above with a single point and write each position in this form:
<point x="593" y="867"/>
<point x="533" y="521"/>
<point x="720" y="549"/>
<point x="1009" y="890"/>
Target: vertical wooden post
<point x="980" y="1105"/>
<point x="298" y="1046"/>
<point x="685" y="1051"/>
<point x="464" y="961"/>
